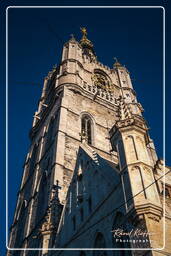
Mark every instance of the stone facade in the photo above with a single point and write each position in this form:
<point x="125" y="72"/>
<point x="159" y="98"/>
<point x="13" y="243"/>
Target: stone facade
<point x="92" y="167"/>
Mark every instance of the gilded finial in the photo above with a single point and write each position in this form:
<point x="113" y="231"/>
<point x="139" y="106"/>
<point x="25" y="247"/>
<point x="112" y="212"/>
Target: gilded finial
<point x="84" y="31"/>
<point x="85" y="42"/>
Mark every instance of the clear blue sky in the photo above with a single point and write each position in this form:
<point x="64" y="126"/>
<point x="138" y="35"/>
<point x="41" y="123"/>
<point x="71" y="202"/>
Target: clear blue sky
<point x="36" y="37"/>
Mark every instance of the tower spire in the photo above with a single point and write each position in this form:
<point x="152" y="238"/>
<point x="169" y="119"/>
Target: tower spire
<point x="85" y="42"/>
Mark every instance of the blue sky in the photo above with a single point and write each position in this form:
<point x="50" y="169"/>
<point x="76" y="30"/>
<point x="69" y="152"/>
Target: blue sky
<point x="36" y="37"/>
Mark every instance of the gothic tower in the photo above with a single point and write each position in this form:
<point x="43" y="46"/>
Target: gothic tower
<point x="85" y="107"/>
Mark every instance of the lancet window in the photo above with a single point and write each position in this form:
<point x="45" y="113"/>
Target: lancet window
<point x="86" y="129"/>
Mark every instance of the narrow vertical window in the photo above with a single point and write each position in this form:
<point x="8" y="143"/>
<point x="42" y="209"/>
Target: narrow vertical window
<point x="86" y="129"/>
<point x="89" y="131"/>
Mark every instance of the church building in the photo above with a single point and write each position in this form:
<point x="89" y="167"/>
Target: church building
<point x="92" y="184"/>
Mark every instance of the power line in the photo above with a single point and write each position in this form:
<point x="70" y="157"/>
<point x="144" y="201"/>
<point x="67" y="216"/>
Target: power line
<point x="52" y="30"/>
<point x="115" y="209"/>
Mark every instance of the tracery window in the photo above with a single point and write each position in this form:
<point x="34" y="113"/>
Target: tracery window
<point x="86" y="129"/>
<point x="101" y="81"/>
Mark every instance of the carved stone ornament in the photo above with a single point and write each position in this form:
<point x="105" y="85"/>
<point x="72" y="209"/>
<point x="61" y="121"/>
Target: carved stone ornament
<point x="124" y="123"/>
<point x="154" y="217"/>
<point x="146" y="169"/>
<point x="47" y="225"/>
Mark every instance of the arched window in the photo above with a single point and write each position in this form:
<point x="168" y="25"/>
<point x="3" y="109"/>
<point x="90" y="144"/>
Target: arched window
<point x="99" y="243"/>
<point x="86" y="129"/>
<point x="131" y="148"/>
<point x="101" y="80"/>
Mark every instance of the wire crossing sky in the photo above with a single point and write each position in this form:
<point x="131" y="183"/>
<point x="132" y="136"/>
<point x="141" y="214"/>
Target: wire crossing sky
<point x="129" y="34"/>
<point x="35" y="41"/>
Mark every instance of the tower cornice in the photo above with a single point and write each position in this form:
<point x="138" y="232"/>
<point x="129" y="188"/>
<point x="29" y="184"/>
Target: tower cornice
<point x="151" y="210"/>
<point x="135" y="122"/>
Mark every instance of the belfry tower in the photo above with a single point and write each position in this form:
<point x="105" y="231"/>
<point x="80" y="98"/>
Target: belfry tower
<point x="86" y="108"/>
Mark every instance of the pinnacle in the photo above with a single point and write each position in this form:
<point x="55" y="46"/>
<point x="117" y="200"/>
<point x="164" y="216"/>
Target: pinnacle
<point x="124" y="111"/>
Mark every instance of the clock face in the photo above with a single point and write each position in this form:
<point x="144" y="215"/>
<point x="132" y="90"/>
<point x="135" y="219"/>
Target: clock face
<point x="99" y="81"/>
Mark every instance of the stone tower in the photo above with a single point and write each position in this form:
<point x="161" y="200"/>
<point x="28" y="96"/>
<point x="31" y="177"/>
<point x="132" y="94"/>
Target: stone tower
<point x="85" y="106"/>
